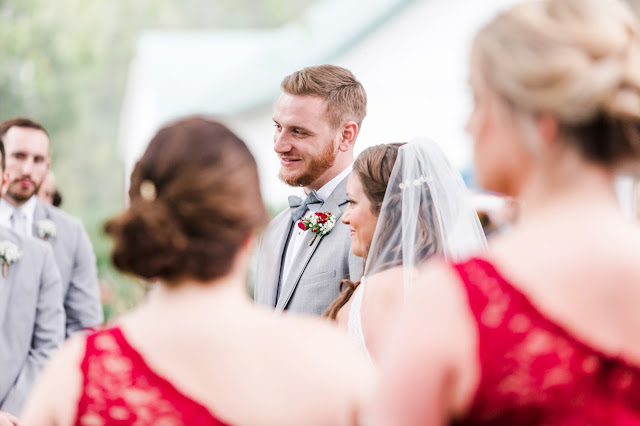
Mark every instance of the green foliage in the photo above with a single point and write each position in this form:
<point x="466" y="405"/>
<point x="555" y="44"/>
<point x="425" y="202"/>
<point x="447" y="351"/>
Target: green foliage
<point x="65" y="64"/>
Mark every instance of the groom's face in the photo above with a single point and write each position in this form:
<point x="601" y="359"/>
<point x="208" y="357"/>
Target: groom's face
<point x="304" y="140"/>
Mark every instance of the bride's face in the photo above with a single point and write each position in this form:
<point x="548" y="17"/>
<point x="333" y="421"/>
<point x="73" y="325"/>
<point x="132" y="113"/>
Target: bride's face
<point x="359" y="217"/>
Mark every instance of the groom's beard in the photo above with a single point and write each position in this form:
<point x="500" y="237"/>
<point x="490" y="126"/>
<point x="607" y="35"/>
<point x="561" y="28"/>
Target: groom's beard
<point x="316" y="166"/>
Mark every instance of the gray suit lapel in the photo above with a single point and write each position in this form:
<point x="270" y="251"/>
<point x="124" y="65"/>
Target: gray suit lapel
<point x="333" y="204"/>
<point x="277" y="244"/>
<point x="5" y="290"/>
<point x="40" y="214"/>
<point x="7" y="283"/>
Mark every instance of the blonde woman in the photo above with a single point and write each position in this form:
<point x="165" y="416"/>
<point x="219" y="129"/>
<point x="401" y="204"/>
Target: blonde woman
<point x="545" y="328"/>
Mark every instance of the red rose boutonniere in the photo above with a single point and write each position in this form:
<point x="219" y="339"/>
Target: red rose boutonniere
<point x="320" y="223"/>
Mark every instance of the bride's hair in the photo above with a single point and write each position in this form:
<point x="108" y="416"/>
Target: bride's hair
<point x="374" y="167"/>
<point x="195" y="199"/>
<point x="578" y="60"/>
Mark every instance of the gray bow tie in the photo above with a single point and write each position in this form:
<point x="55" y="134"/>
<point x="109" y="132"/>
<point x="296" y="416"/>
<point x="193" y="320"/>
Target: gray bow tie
<point x="298" y="206"/>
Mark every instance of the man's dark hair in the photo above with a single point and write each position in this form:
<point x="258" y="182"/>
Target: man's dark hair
<point x="20" y="122"/>
<point x="57" y="199"/>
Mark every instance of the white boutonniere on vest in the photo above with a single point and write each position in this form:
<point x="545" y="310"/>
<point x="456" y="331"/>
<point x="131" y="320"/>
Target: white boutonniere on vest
<point x="46" y="229"/>
<point x="9" y="253"/>
<point x="320" y="223"/>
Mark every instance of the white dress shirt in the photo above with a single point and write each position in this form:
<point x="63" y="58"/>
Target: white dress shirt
<point x="300" y="237"/>
<point x="28" y="210"/>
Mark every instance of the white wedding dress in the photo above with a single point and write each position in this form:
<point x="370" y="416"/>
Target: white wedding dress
<point x="354" y="323"/>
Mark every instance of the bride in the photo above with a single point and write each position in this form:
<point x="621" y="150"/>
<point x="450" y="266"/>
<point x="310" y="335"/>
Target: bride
<point x="406" y="204"/>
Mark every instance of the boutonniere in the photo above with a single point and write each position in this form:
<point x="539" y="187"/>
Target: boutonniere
<point x="46" y="229"/>
<point x="9" y="253"/>
<point x="320" y="223"/>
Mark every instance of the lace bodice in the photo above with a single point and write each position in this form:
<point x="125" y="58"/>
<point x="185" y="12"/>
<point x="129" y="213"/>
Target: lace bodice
<point x="354" y="324"/>
<point x="535" y="372"/>
<point x="120" y="389"/>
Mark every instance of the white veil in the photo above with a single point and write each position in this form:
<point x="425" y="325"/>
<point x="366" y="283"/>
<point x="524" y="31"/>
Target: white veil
<point x="427" y="210"/>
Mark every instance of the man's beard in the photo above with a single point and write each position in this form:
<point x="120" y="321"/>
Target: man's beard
<point x="19" y="195"/>
<point x="315" y="168"/>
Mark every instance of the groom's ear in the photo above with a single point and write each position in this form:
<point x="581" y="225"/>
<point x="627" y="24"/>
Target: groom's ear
<point x="6" y="178"/>
<point x="348" y="136"/>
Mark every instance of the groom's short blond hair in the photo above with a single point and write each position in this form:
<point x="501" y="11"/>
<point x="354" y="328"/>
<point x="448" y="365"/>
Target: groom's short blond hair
<point x="345" y="96"/>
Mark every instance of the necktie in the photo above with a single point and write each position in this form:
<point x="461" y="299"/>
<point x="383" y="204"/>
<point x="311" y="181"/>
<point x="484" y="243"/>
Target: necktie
<point x="19" y="222"/>
<point x="299" y="207"/>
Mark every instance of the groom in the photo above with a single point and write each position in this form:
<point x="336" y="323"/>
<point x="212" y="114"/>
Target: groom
<point x="317" y="119"/>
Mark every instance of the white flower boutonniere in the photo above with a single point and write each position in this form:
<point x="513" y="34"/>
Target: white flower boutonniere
<point x="9" y="253"/>
<point x="320" y="223"/>
<point x="46" y="229"/>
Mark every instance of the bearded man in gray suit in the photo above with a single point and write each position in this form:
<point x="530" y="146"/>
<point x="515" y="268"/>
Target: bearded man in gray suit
<point x="317" y="119"/>
<point x="28" y="160"/>
<point x="31" y="314"/>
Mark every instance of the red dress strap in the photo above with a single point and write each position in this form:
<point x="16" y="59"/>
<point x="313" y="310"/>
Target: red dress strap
<point x="120" y="388"/>
<point x="535" y="372"/>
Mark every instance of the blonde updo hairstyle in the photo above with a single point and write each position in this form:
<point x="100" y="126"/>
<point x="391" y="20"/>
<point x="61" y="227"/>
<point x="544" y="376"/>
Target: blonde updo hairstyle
<point x="195" y="199"/>
<point x="578" y="60"/>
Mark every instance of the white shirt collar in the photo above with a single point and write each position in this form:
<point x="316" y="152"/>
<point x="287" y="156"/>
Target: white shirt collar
<point x="28" y="208"/>
<point x="328" y="187"/>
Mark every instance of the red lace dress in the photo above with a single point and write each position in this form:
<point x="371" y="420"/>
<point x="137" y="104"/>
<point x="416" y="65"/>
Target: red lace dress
<point x="120" y="389"/>
<point x="533" y="371"/>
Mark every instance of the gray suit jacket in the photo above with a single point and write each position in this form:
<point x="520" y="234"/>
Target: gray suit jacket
<point x="314" y="279"/>
<point x="31" y="318"/>
<point x="77" y="265"/>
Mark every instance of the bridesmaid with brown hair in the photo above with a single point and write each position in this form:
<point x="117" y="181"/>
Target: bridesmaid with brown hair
<point x="198" y="352"/>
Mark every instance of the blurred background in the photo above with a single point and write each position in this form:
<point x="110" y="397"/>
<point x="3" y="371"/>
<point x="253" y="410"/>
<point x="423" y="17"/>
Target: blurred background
<point x="103" y="76"/>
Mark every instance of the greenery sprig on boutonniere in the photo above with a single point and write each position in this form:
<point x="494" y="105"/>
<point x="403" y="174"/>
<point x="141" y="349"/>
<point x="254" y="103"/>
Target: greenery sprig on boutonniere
<point x="9" y="254"/>
<point x="320" y="223"/>
<point x="46" y="229"/>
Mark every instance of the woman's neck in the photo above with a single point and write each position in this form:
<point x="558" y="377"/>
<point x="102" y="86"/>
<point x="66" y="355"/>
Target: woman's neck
<point x="571" y="185"/>
<point x="217" y="295"/>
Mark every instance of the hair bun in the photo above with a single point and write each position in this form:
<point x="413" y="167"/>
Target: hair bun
<point x="195" y="199"/>
<point x="147" y="232"/>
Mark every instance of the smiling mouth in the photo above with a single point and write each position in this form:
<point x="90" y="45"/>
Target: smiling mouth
<point x="288" y="161"/>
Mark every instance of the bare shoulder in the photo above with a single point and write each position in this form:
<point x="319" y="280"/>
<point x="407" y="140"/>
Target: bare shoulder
<point x="324" y="354"/>
<point x="55" y="397"/>
<point x="322" y="357"/>
<point x="315" y="337"/>
<point x="433" y="349"/>
<point x="628" y="243"/>
<point x="437" y="283"/>
<point x="386" y="283"/>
